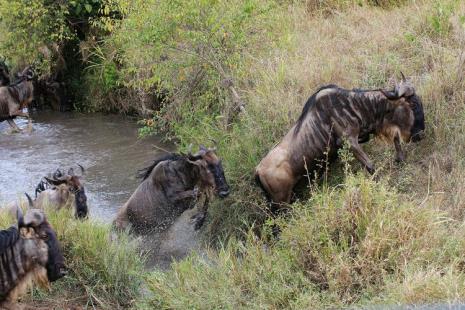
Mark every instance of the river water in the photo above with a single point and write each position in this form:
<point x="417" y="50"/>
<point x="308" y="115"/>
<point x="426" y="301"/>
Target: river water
<point x="106" y="145"/>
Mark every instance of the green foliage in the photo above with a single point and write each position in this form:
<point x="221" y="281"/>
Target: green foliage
<point x="439" y="19"/>
<point x="187" y="49"/>
<point x="30" y="28"/>
<point x="28" y="25"/>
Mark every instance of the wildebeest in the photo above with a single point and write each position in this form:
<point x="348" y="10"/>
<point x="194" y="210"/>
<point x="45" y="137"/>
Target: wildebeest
<point x="332" y="115"/>
<point x="171" y="185"/>
<point x="62" y="190"/>
<point x="16" y="97"/>
<point x="29" y="253"/>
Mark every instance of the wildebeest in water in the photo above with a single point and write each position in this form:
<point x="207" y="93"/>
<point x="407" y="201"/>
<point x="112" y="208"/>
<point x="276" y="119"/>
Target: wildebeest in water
<point x="15" y="98"/>
<point x="332" y="115"/>
<point x="171" y="185"/>
<point x="62" y="190"/>
<point x="29" y="253"/>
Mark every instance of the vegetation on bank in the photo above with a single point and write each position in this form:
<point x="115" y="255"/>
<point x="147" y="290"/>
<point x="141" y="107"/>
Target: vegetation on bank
<point x="239" y="72"/>
<point x="105" y="269"/>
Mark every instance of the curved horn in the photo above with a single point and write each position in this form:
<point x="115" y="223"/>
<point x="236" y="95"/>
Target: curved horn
<point x="34" y="217"/>
<point x="56" y="181"/>
<point x="82" y="169"/>
<point x="29" y="199"/>
<point x="189" y="149"/>
<point x="403" y="76"/>
<point x="20" y="216"/>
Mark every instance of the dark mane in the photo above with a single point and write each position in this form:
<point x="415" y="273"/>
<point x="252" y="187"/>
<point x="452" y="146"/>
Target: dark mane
<point x="18" y="91"/>
<point x="8" y="237"/>
<point x="310" y="102"/>
<point x="145" y="172"/>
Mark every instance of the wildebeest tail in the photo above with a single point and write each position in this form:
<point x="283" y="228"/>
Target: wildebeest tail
<point x="310" y="102"/>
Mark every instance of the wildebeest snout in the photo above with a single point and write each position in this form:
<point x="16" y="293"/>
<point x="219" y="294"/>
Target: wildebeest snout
<point x="223" y="193"/>
<point x="222" y="187"/>
<point x="418" y="136"/>
<point x="81" y="204"/>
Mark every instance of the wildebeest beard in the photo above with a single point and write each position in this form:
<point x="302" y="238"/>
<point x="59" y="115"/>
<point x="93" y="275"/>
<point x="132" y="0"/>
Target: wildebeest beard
<point x="221" y="184"/>
<point x="419" y="118"/>
<point x="80" y="199"/>
<point x="56" y="262"/>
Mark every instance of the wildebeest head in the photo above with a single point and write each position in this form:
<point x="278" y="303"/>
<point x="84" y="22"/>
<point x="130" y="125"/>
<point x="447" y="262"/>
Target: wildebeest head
<point x="406" y="90"/>
<point x="34" y="224"/>
<point x="74" y="185"/>
<point x="211" y="170"/>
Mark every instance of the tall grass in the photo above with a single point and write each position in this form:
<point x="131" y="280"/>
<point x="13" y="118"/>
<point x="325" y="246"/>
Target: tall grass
<point x="361" y="243"/>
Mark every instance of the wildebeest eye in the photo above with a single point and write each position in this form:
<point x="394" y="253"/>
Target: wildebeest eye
<point x="44" y="237"/>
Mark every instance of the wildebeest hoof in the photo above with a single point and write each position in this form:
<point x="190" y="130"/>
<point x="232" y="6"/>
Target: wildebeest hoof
<point x="400" y="159"/>
<point x="370" y="169"/>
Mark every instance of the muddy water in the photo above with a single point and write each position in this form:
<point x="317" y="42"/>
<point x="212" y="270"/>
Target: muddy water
<point x="106" y="145"/>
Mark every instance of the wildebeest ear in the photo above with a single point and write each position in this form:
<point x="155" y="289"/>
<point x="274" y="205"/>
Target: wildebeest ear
<point x="34" y="217"/>
<point x="56" y="181"/>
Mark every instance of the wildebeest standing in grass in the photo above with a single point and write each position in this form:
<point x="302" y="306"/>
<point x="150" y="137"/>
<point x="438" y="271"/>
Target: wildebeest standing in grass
<point x="15" y="97"/>
<point x="62" y="190"/>
<point x="171" y="185"/>
<point x="332" y="115"/>
<point x="29" y="253"/>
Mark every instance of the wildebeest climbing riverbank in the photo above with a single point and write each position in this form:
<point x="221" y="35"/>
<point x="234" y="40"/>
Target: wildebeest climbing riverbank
<point x="332" y="115"/>
<point x="171" y="185"/>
